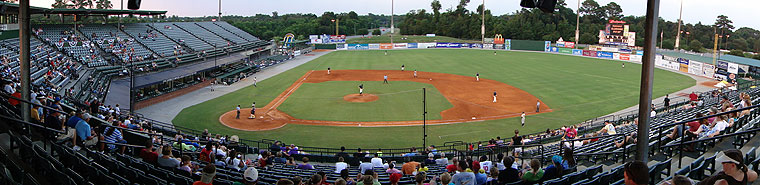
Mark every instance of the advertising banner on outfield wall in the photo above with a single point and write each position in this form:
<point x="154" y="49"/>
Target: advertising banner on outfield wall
<point x="577" y="52"/>
<point x="547" y="46"/>
<point x="399" y="46"/>
<point x="357" y="46"/>
<point x="476" y="45"/>
<point x="695" y="68"/>
<point x="588" y="53"/>
<point x="733" y="68"/>
<point x="565" y="50"/>
<point x="684" y="65"/>
<point x="447" y="45"/>
<point x="722" y="65"/>
<point x="610" y="49"/>
<point x="426" y="45"/>
<point x="464" y="45"/>
<point x="659" y="62"/>
<point x="639" y="52"/>
<point x="743" y="68"/>
<point x="616" y="56"/>
<point x="602" y="54"/>
<point x="498" y="46"/>
<point x="624" y="56"/>
<point x="624" y="50"/>
<point x="386" y="46"/>
<point x="340" y="46"/>
<point x="708" y="70"/>
<point x="594" y="48"/>
<point x="374" y="46"/>
<point x="411" y="45"/>
<point x="636" y="58"/>
<point x="508" y="44"/>
<point x="489" y="46"/>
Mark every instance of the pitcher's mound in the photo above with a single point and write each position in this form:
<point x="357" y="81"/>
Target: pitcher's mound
<point x="360" y="98"/>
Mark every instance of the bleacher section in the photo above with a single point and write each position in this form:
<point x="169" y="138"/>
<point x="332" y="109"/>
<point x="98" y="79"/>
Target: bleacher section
<point x="153" y="40"/>
<point x="65" y="38"/>
<point x="236" y="31"/>
<point x="49" y="68"/>
<point x="203" y="34"/>
<point x="222" y="32"/>
<point x="112" y="40"/>
<point x="181" y="36"/>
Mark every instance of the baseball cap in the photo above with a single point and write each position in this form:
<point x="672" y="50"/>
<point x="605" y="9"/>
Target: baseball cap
<point x="730" y="156"/>
<point x="251" y="174"/>
<point x="431" y="155"/>
<point x="86" y="116"/>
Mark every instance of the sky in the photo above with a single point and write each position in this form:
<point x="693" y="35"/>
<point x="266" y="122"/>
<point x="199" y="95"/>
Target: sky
<point x="705" y="11"/>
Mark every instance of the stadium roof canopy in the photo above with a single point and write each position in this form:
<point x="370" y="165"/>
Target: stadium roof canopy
<point x="706" y="59"/>
<point x="12" y="8"/>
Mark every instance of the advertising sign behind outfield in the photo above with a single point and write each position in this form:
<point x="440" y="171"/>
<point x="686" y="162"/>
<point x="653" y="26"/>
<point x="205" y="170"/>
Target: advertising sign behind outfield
<point x="577" y="52"/>
<point x="616" y="56"/>
<point x="464" y="45"/>
<point x="498" y="46"/>
<point x="565" y="50"/>
<point x="636" y="58"/>
<point x="411" y="45"/>
<point x="625" y="56"/>
<point x="358" y="46"/>
<point x="695" y="68"/>
<point x="547" y="46"/>
<point x="374" y="46"/>
<point x="427" y="45"/>
<point x="722" y="65"/>
<point x="508" y="44"/>
<point x="708" y="70"/>
<point x="684" y="65"/>
<point x="340" y="47"/>
<point x="602" y="54"/>
<point x="490" y="46"/>
<point x="399" y="46"/>
<point x="733" y="68"/>
<point x="386" y="46"/>
<point x="476" y="46"/>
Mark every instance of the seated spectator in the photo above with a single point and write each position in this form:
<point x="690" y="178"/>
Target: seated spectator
<point x="342" y="153"/>
<point x="569" y="160"/>
<point x="305" y="165"/>
<point x="719" y="125"/>
<point x="205" y="154"/>
<point x="365" y="165"/>
<point x="443" y="160"/>
<point x="430" y="160"/>
<point x="678" y="180"/>
<point x="207" y="175"/>
<point x="186" y="164"/>
<point x="394" y="178"/>
<point x="340" y="165"/>
<point x="85" y="133"/>
<point x="445" y="178"/>
<point x="148" y="154"/>
<point x="630" y="139"/>
<point x="485" y="164"/>
<point x="693" y="127"/>
<point x="250" y="177"/>
<point x="289" y="182"/>
<point x="533" y="172"/>
<point x="392" y="169"/>
<point x="412" y="152"/>
<point x="409" y="167"/>
<point x="508" y="175"/>
<point x="636" y="173"/>
<point x="377" y="162"/>
<point x="608" y="129"/>
<point x="279" y="158"/>
<point x="555" y="169"/>
<point x="453" y="166"/>
<point x="235" y="161"/>
<point x="166" y="159"/>
<point x="420" y="178"/>
<point x="464" y="175"/>
<point x="571" y="132"/>
<point x="113" y="135"/>
<point x="734" y="170"/>
<point x="291" y="162"/>
<point x="264" y="159"/>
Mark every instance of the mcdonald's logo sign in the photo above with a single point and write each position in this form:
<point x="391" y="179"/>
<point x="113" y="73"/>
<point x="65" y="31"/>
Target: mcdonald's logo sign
<point x="498" y="39"/>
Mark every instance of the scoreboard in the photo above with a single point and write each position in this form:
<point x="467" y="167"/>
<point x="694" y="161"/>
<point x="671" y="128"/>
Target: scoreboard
<point x="617" y="33"/>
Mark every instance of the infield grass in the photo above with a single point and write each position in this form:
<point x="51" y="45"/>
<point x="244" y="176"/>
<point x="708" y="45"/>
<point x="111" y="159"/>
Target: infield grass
<point x="398" y="101"/>
<point x="576" y="88"/>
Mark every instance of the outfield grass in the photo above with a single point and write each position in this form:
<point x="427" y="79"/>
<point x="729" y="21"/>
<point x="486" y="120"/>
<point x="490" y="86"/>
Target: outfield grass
<point x="406" y="39"/>
<point x="576" y="88"/>
<point x="399" y="101"/>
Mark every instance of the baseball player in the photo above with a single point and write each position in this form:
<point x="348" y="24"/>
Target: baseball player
<point x="415" y="73"/>
<point x="494" y="53"/>
<point x="254" y="81"/>
<point x="623" y="65"/>
<point x="538" y="104"/>
<point x="386" y="52"/>
<point x="253" y="111"/>
<point x="238" y="112"/>
<point x="402" y="67"/>
<point x="477" y="77"/>
<point x="361" y="89"/>
<point x="494" y="96"/>
<point x="328" y="70"/>
<point x="385" y="79"/>
<point x="522" y="119"/>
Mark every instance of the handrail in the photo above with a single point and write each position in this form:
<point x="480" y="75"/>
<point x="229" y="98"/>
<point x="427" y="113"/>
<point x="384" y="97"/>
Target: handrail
<point x="32" y="124"/>
<point x="712" y="138"/>
<point x="705" y="117"/>
<point x="29" y="102"/>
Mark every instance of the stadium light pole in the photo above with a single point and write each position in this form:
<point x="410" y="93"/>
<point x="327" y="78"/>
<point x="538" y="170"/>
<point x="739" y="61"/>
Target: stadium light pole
<point x="577" y="24"/>
<point x="220" y="11"/>
<point x="483" y="24"/>
<point x="678" y="34"/>
<point x="392" y="28"/>
<point x="647" y="77"/>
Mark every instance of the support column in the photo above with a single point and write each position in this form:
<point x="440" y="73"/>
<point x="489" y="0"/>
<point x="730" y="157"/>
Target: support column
<point x="24" y="32"/>
<point x="647" y="77"/>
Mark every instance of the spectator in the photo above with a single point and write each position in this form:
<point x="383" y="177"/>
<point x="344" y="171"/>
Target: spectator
<point x="453" y="166"/>
<point x="636" y="173"/>
<point x="693" y="127"/>
<point x="235" y="161"/>
<point x="734" y="171"/>
<point x="365" y="165"/>
<point x="148" y="154"/>
<point x="608" y="129"/>
<point x="485" y="164"/>
<point x="430" y="160"/>
<point x="412" y="152"/>
<point x="250" y="177"/>
<point x="419" y="179"/>
<point x="289" y="182"/>
<point x="54" y="122"/>
<point x="315" y="179"/>
<point x="377" y="162"/>
<point x="305" y="165"/>
<point x="204" y="155"/>
<point x="445" y="178"/>
<point x="166" y="159"/>
<point x="555" y="169"/>
<point x="113" y="135"/>
<point x="359" y="156"/>
<point x="499" y="165"/>
<point x="394" y="178"/>
<point x="568" y="159"/>
<point x="480" y="177"/>
<point x="85" y="133"/>
<point x="630" y="139"/>
<point x="443" y="160"/>
<point x="342" y="152"/>
<point x="409" y="167"/>
<point x="291" y="162"/>
<point x="264" y="158"/>
<point x="533" y="173"/>
<point x="719" y="125"/>
<point x="465" y="176"/>
<point x="370" y="177"/>
<point x="392" y="168"/>
<point x="297" y="180"/>
<point x="571" y="132"/>
<point x="186" y="164"/>
<point x="340" y="165"/>
<point x="207" y="175"/>
<point x="678" y="180"/>
<point x="508" y="175"/>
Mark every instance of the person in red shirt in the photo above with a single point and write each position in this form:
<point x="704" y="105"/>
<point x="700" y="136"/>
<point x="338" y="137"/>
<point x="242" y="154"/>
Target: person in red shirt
<point x="452" y="167"/>
<point x="693" y="96"/>
<point x="570" y="133"/>
<point x="148" y="154"/>
<point x="204" y="155"/>
<point x="15" y="102"/>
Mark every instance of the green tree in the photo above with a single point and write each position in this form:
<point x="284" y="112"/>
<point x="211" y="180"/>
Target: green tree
<point x="376" y="32"/>
<point x="104" y="4"/>
<point x="736" y="53"/>
<point x="724" y="24"/>
<point x="612" y="11"/>
<point x="695" y="46"/>
<point x="60" y="4"/>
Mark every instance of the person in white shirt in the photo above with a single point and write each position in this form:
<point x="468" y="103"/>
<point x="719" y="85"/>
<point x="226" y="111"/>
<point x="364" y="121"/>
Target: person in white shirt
<point x="522" y="119"/>
<point x="364" y="166"/>
<point x="377" y="162"/>
<point x="443" y="160"/>
<point x="340" y="165"/>
<point x="485" y="164"/>
<point x="719" y="126"/>
<point x="609" y="129"/>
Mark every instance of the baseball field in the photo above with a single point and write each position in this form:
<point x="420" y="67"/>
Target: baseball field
<point x="320" y="109"/>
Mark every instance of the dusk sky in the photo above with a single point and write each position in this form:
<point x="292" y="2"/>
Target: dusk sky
<point x="705" y="11"/>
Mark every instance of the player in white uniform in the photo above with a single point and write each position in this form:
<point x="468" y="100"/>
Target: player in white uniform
<point x="415" y="73"/>
<point x="494" y="96"/>
<point x="522" y="119"/>
<point x="477" y="77"/>
<point x="361" y="89"/>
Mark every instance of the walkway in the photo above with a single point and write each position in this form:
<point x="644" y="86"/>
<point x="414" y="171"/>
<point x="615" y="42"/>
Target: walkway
<point x="167" y="110"/>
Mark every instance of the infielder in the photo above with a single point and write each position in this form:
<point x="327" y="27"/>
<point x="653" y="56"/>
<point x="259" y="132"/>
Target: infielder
<point x="238" y="112"/>
<point x="494" y="96"/>
<point x="254" y="81"/>
<point x="477" y="77"/>
<point x="253" y="111"/>
<point x="361" y="89"/>
<point x="328" y="70"/>
<point x="415" y="73"/>
<point x="385" y="79"/>
<point x="538" y="105"/>
<point x="522" y="119"/>
<point x="402" y="67"/>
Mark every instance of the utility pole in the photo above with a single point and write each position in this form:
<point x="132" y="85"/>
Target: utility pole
<point x="392" y="27"/>
<point x="678" y="35"/>
<point x="483" y="25"/>
<point x="577" y="25"/>
<point x="220" y="11"/>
